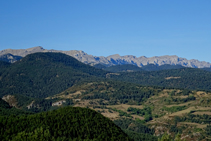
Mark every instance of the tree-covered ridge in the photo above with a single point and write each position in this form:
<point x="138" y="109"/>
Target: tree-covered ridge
<point x="187" y="78"/>
<point x="100" y="66"/>
<point x="133" y="68"/>
<point x="123" y="68"/>
<point x="152" y="67"/>
<point x="43" y="74"/>
<point x="67" y="123"/>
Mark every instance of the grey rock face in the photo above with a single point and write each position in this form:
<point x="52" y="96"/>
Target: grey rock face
<point x="10" y="58"/>
<point x="115" y="59"/>
<point x="22" y="52"/>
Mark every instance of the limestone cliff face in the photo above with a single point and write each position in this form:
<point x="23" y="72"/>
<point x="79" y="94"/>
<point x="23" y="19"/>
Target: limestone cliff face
<point x="11" y="100"/>
<point x="9" y="58"/>
<point x="112" y="59"/>
<point x="22" y="52"/>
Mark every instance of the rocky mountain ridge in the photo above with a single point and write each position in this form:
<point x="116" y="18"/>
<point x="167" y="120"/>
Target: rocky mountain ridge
<point x="115" y="59"/>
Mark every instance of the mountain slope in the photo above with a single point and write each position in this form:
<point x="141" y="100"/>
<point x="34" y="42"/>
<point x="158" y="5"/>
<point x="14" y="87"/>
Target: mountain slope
<point x="115" y="59"/>
<point x="132" y="68"/>
<point x="43" y="74"/>
<point x="123" y="68"/>
<point x="132" y="106"/>
<point x="6" y="109"/>
<point x="152" y="67"/>
<point x="4" y="64"/>
<point x="187" y="78"/>
<point x="63" y="124"/>
<point x="9" y="58"/>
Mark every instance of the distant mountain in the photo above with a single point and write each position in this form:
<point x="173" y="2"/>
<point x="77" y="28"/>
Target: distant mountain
<point x="10" y="58"/>
<point x="115" y="59"/>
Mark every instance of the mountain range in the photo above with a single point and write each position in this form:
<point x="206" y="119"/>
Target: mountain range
<point x="12" y="55"/>
<point x="143" y="102"/>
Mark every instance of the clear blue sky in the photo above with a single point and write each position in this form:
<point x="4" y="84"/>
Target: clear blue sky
<point x="105" y="27"/>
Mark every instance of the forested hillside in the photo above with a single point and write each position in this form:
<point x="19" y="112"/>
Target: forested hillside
<point x="186" y="78"/>
<point x="133" y="68"/>
<point x="152" y="67"/>
<point x="64" y="124"/>
<point x="43" y="74"/>
<point x="7" y="110"/>
<point x="123" y="68"/>
<point x="4" y="64"/>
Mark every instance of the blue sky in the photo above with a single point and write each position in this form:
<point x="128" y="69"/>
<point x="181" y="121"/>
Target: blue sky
<point x="105" y="27"/>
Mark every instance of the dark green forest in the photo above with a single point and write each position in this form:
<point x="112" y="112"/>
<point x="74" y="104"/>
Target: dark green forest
<point x="4" y="64"/>
<point x="69" y="123"/>
<point x="152" y="67"/>
<point x="123" y="68"/>
<point x="40" y="75"/>
<point x="185" y="78"/>
<point x="131" y="67"/>
<point x="136" y="130"/>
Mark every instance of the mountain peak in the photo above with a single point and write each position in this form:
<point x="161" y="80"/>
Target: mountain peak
<point x="37" y="48"/>
<point x="114" y="56"/>
<point x="115" y="59"/>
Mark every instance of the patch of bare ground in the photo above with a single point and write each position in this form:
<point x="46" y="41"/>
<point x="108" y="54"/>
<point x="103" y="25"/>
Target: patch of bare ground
<point x="11" y="100"/>
<point x="164" y="95"/>
<point x="197" y="125"/>
<point x="109" y="74"/>
<point x="124" y="107"/>
<point x="158" y="122"/>
<point x="114" y="115"/>
<point x="83" y="103"/>
<point x="167" y="78"/>
<point x="69" y="96"/>
<point x="136" y="116"/>
<point x="182" y="104"/>
<point x="180" y="113"/>
<point x="201" y="94"/>
<point x="181" y="96"/>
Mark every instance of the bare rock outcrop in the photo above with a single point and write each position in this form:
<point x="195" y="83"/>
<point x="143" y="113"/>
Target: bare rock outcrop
<point x="115" y="59"/>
